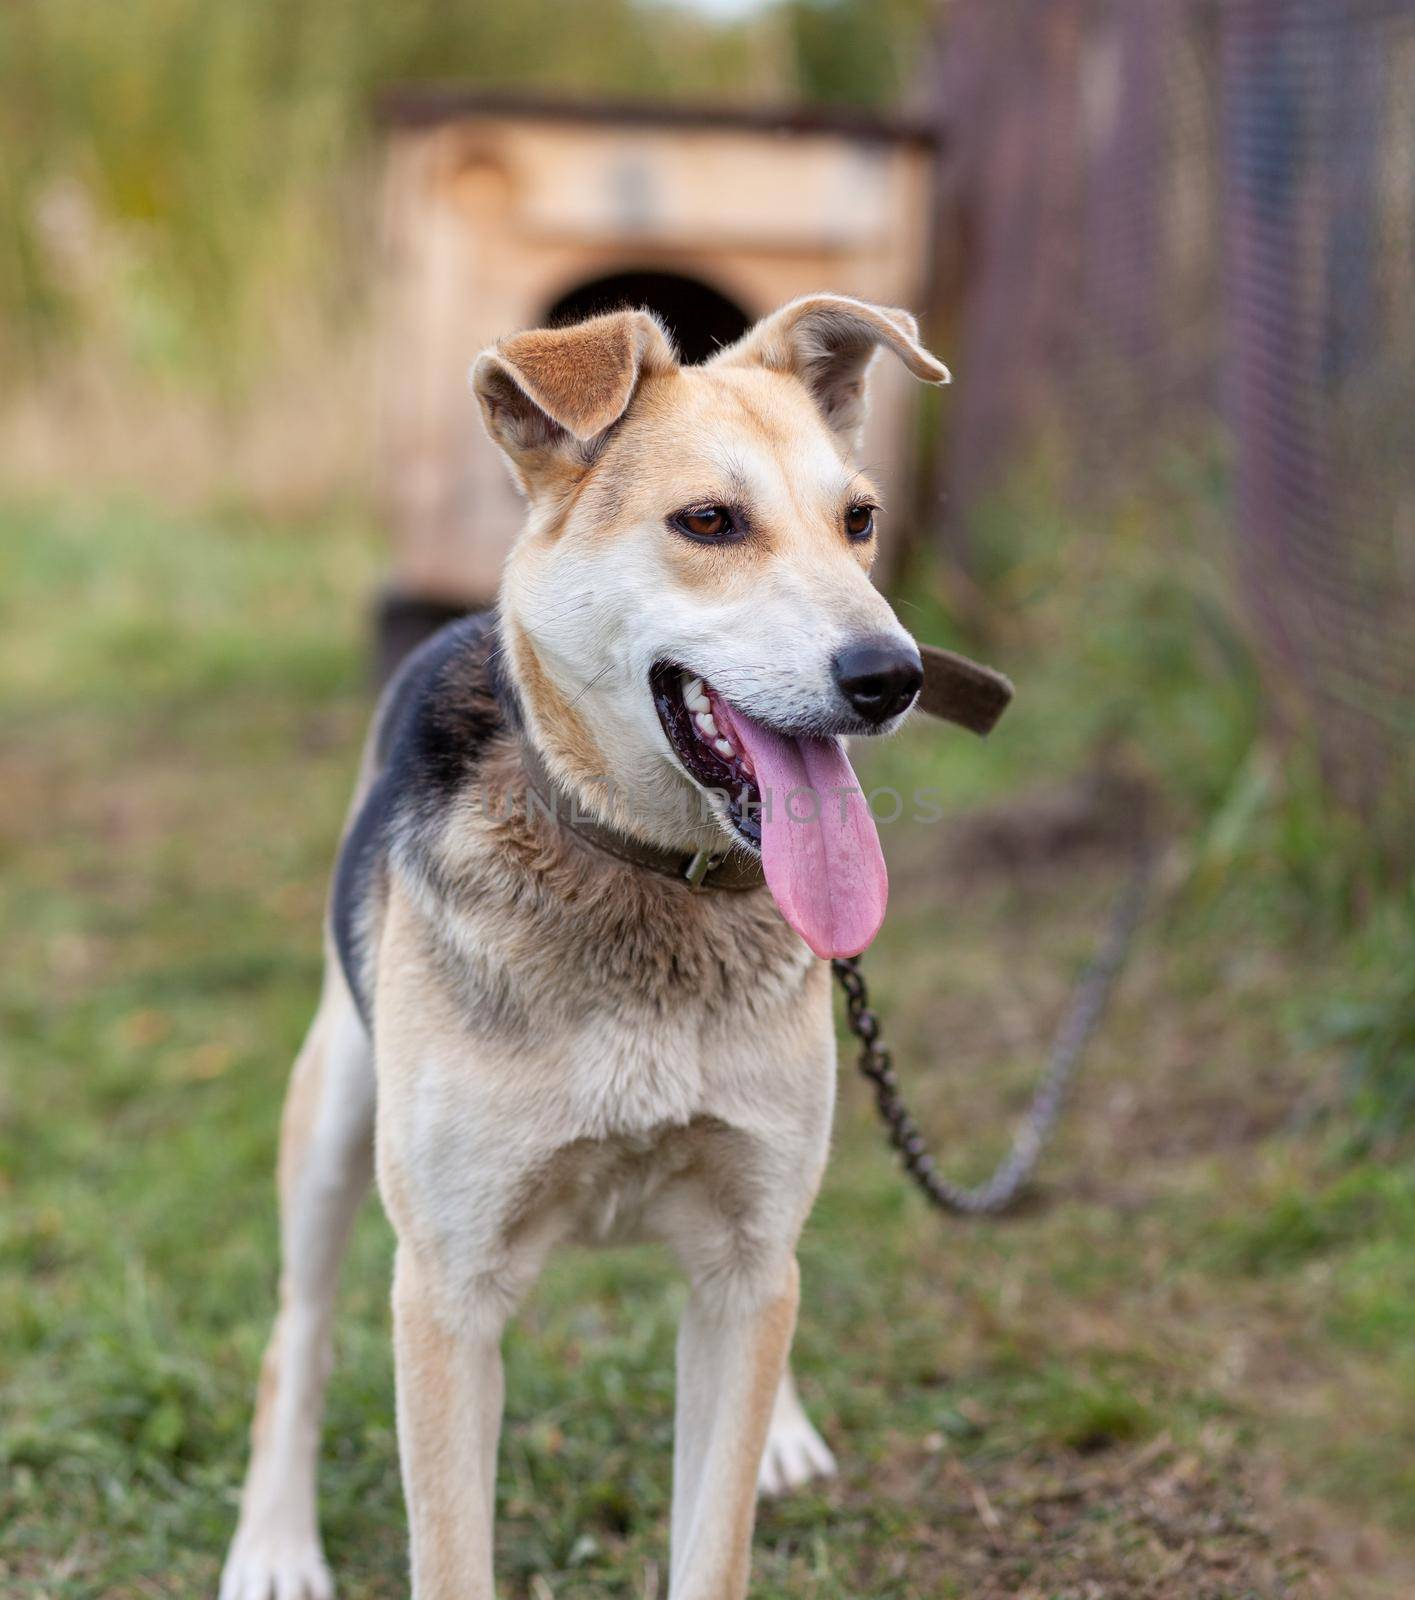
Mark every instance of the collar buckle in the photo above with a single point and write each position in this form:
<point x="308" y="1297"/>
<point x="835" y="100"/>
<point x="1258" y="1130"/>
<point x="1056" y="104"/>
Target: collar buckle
<point x="702" y="863"/>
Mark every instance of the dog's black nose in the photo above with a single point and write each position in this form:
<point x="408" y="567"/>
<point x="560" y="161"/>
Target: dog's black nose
<point x="879" y="676"/>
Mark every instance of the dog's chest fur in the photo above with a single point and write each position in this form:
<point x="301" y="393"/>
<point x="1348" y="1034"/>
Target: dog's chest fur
<point x="586" y="1051"/>
<point x="645" y="1005"/>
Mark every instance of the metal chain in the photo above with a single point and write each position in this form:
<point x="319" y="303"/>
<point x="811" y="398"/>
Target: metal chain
<point x="1087" y="1007"/>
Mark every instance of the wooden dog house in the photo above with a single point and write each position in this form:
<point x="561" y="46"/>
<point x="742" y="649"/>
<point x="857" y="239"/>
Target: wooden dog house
<point x="506" y="213"/>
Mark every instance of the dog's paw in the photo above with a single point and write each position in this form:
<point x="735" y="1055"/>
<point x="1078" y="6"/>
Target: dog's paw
<point x="795" y="1454"/>
<point x="276" y="1569"/>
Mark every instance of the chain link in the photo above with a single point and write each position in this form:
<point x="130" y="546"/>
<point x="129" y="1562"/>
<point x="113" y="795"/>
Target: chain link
<point x="1087" y="1007"/>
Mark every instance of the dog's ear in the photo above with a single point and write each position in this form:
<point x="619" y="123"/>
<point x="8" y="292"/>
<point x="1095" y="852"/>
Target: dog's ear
<point x="828" y="341"/>
<point x="548" y="393"/>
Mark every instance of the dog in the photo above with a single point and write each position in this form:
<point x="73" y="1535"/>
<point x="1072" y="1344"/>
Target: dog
<point x="603" y="845"/>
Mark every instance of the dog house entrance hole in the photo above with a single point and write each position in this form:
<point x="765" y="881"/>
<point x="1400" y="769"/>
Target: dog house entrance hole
<point x="700" y="319"/>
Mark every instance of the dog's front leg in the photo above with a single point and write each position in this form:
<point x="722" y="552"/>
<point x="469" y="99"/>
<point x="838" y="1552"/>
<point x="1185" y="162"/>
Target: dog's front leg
<point x="732" y="1352"/>
<point x="450" y="1396"/>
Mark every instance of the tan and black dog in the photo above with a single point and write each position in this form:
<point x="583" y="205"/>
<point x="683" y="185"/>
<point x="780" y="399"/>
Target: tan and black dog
<point x="601" y="843"/>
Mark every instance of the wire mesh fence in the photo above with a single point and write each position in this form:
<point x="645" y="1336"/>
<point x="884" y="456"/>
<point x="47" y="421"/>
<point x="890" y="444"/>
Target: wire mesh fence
<point x="1185" y="223"/>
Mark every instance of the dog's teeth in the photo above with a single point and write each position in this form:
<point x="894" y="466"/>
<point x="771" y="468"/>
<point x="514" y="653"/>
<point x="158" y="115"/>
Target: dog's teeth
<point x="700" y="703"/>
<point x="706" y="725"/>
<point x="692" y="689"/>
<point x="724" y="747"/>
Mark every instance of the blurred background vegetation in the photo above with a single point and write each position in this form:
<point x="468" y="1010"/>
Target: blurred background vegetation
<point x="188" y="197"/>
<point x="182" y="183"/>
<point x="1206" y="1323"/>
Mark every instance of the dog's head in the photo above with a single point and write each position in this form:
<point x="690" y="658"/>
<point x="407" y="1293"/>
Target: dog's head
<point x="689" y="616"/>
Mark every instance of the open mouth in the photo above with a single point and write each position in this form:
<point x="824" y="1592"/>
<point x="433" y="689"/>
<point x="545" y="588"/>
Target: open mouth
<point x="706" y="741"/>
<point x="794" y="798"/>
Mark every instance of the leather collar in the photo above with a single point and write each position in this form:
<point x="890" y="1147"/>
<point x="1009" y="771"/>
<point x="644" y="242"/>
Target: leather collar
<point x="733" y="870"/>
<point x="962" y="691"/>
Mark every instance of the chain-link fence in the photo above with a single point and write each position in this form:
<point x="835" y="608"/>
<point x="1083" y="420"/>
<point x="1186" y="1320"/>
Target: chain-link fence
<point x="1184" y="222"/>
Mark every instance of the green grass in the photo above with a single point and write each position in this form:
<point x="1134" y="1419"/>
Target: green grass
<point x="1183" y="1370"/>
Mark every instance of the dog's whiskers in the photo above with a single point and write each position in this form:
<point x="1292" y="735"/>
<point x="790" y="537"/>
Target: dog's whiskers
<point x="585" y="688"/>
<point x="559" y="616"/>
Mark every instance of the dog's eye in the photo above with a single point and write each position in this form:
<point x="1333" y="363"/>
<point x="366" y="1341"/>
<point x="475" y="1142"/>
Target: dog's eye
<point x="860" y="521"/>
<point x="705" y="522"/>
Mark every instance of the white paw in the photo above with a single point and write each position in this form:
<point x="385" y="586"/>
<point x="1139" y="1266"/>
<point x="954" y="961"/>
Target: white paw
<point x="795" y="1453"/>
<point x="276" y="1567"/>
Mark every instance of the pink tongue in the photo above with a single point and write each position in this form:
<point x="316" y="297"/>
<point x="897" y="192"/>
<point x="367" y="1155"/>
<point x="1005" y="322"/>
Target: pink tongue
<point x="820" y="850"/>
